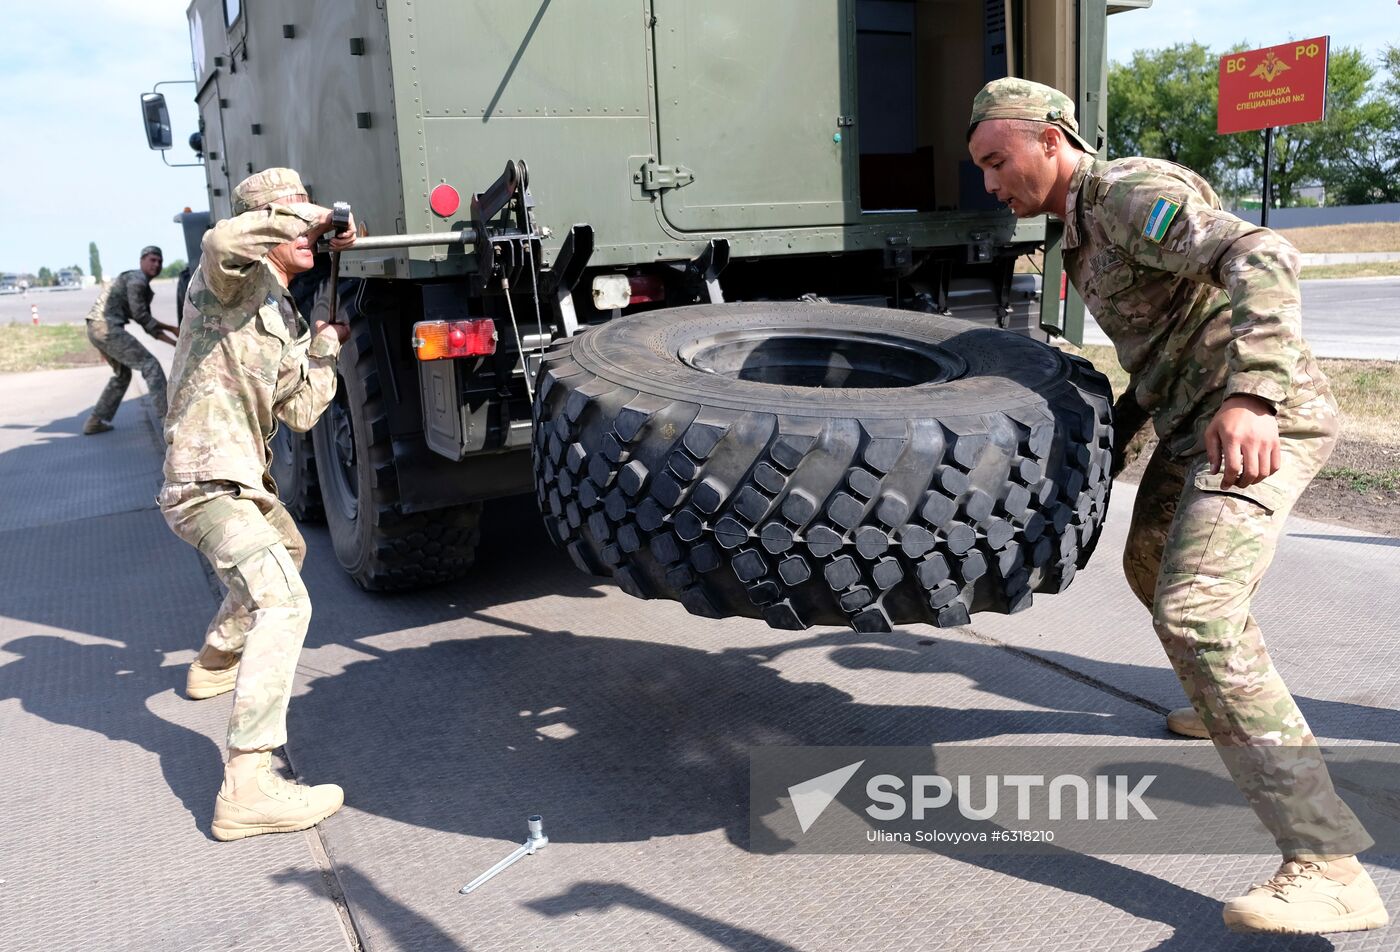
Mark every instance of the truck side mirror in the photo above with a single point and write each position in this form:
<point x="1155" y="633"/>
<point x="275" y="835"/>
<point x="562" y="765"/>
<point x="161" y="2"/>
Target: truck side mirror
<point x="157" y="119"/>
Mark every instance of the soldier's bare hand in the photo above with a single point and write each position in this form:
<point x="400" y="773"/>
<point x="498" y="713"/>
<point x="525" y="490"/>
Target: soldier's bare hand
<point x="1242" y="442"/>
<point x="345" y="240"/>
<point x="341" y="331"/>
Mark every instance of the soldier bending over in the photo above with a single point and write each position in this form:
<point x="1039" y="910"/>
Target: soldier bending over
<point x="1203" y="310"/>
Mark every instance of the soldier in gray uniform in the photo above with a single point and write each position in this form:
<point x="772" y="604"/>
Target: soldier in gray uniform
<point x="1204" y="312"/>
<point x="127" y="298"/>
<point x="246" y="363"/>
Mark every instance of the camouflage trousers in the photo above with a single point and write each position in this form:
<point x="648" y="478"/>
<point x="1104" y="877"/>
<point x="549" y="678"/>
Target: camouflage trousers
<point x="1196" y="554"/>
<point x="124" y="354"/>
<point x="254" y="547"/>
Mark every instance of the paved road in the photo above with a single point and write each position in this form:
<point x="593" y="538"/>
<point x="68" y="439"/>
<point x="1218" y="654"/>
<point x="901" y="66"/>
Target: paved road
<point x="1358" y="317"/>
<point x="66" y="307"/>
<point x="1343" y="317"/>
<point x="452" y="713"/>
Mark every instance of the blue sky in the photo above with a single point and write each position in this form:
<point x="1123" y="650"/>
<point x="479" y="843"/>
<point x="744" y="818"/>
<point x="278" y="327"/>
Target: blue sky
<point x="76" y="167"/>
<point x="1369" y="24"/>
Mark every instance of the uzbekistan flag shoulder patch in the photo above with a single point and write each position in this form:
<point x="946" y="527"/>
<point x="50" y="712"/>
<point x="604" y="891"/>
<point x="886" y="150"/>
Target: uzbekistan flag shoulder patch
<point x="1163" y="211"/>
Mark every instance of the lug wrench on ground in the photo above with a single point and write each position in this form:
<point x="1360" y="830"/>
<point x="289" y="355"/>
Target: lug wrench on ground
<point x="536" y="841"/>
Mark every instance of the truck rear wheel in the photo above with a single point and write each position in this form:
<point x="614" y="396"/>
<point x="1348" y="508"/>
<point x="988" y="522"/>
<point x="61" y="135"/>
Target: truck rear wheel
<point x="382" y="547"/>
<point x="293" y="453"/>
<point x="816" y="464"/>
<point x="294" y="472"/>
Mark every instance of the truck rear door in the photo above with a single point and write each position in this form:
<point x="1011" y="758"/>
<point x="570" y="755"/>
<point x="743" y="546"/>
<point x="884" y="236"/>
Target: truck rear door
<point x="752" y="120"/>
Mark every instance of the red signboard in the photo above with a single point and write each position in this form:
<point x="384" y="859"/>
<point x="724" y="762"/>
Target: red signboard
<point x="1278" y="86"/>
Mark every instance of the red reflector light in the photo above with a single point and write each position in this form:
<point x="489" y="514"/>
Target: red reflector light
<point x="1064" y="284"/>
<point x="441" y="340"/>
<point x="647" y="288"/>
<point x="444" y="201"/>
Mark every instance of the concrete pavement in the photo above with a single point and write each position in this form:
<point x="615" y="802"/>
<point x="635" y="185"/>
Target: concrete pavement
<point x="450" y="714"/>
<point x="70" y="306"/>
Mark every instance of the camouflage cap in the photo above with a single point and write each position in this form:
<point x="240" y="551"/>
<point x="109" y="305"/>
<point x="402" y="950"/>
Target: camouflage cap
<point x="152" y="250"/>
<point x="1013" y="98"/>
<point x="265" y="187"/>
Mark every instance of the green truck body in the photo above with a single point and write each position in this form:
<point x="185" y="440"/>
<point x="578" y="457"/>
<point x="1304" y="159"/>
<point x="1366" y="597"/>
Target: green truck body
<point x="814" y="146"/>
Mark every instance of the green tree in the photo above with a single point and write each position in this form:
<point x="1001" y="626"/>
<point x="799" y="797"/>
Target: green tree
<point x="1308" y="154"/>
<point x="77" y="269"/>
<point x="94" y="261"/>
<point x="173" y="269"/>
<point x="1366" y="152"/>
<point x="1162" y="104"/>
<point x="45" y="277"/>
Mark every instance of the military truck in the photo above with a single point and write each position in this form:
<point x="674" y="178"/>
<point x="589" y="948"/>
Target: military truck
<point x="659" y="155"/>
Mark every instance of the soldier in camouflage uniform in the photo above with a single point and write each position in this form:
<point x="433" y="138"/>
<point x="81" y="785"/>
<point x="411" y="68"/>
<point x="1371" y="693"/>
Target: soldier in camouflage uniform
<point x="247" y="360"/>
<point x="127" y="298"/>
<point x="1203" y="310"/>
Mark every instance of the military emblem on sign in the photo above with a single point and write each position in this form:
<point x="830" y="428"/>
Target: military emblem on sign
<point x="1270" y="69"/>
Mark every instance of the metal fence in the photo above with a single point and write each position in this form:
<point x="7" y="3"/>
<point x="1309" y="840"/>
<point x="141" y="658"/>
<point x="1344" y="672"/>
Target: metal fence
<point x="1331" y="215"/>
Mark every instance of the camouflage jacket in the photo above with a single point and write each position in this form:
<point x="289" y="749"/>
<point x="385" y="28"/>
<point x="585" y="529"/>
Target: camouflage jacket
<point x="126" y="298"/>
<point x="246" y="358"/>
<point x="1199" y="304"/>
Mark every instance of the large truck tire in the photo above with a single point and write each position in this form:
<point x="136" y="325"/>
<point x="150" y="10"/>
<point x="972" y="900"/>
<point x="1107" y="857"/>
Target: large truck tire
<point x="294" y="454"/>
<point x="382" y="547"/>
<point x="817" y="464"/>
<point x="294" y="472"/>
<point x="182" y="287"/>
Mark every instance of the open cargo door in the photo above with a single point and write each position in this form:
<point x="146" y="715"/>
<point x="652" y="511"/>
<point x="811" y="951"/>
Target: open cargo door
<point x="753" y="123"/>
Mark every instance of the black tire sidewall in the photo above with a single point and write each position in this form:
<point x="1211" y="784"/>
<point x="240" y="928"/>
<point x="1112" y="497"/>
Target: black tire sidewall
<point x="1003" y="371"/>
<point x="351" y="537"/>
<point x="294" y="471"/>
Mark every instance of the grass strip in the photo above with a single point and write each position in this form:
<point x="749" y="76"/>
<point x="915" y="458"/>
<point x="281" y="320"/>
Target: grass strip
<point x="1362" y="481"/>
<point x="1371" y="269"/>
<point x="24" y="347"/>
<point x="1367" y="391"/>
<point x="1343" y="239"/>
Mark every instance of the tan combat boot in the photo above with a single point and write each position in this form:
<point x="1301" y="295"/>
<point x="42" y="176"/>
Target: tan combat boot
<point x="255" y="800"/>
<point x="94" y="426"/>
<point x="211" y="675"/>
<point x="1186" y="722"/>
<point x="1310" y="897"/>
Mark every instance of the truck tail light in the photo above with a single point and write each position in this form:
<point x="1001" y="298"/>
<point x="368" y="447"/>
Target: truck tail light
<point x="647" y="288"/>
<point x="441" y="340"/>
<point x="1064" y="284"/>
